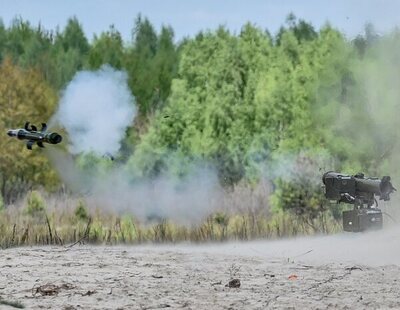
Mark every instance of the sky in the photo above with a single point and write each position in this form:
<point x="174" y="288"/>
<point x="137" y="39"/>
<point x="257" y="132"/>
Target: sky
<point x="188" y="17"/>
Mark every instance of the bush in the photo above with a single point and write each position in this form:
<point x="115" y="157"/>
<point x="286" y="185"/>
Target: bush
<point x="221" y="219"/>
<point x="81" y="212"/>
<point x="35" y="204"/>
<point x="298" y="189"/>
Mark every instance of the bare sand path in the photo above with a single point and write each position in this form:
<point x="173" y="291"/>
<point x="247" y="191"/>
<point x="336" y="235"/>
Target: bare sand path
<point x="345" y="271"/>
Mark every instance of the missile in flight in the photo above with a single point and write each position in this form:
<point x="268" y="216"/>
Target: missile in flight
<point x="32" y="135"/>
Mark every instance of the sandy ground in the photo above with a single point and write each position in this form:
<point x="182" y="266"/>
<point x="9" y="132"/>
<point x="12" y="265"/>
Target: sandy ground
<point x="345" y="271"/>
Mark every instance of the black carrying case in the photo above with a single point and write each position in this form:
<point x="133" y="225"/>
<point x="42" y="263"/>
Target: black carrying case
<point x="358" y="220"/>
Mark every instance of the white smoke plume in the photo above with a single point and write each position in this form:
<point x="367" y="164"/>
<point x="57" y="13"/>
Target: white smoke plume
<point x="95" y="109"/>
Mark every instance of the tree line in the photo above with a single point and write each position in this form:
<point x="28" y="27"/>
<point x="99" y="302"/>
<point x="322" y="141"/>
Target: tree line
<point x="248" y="103"/>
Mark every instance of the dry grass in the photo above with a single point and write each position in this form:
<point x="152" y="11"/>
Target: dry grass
<point x="67" y="221"/>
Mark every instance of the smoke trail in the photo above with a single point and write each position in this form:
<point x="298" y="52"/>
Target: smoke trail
<point x="95" y="109"/>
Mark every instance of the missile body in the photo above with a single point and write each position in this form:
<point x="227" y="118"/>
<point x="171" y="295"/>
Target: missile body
<point x="32" y="135"/>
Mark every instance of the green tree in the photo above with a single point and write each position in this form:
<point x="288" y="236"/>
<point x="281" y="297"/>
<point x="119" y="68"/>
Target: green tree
<point x="151" y="65"/>
<point x="3" y="40"/>
<point x="73" y="37"/>
<point x="165" y="63"/>
<point x="139" y="64"/>
<point x="28" y="46"/>
<point x="69" y="53"/>
<point x="209" y="113"/>
<point x="302" y="30"/>
<point x="107" y="49"/>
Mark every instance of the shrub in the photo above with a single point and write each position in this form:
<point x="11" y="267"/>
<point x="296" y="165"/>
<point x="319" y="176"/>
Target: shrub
<point x="35" y="204"/>
<point x="81" y="212"/>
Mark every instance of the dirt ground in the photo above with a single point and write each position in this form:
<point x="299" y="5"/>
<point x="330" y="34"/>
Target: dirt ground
<point x="345" y="271"/>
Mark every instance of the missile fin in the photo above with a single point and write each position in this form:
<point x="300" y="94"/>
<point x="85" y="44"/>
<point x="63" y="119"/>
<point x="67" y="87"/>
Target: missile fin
<point x="33" y="128"/>
<point x="44" y="127"/>
<point x="29" y="144"/>
<point x="27" y="126"/>
<point x="40" y="144"/>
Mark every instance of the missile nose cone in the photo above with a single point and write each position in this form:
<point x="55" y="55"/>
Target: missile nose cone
<point x="10" y="133"/>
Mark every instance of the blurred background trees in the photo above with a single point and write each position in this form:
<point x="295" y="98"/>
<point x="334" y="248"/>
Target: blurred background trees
<point x="24" y="96"/>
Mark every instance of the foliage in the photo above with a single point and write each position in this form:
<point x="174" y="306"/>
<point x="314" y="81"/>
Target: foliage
<point x="231" y="106"/>
<point x="243" y="103"/>
<point x="81" y="212"/>
<point x="35" y="204"/>
<point x="107" y="49"/>
<point x="93" y="165"/>
<point x="221" y="219"/>
<point x="298" y="188"/>
<point x="24" y="96"/>
<point x="151" y="64"/>
<point x="17" y="228"/>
